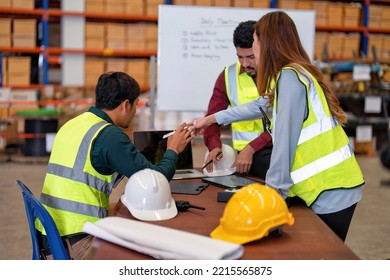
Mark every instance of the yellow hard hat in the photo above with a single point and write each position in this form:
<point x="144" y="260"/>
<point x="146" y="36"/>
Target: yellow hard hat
<point x="251" y="213"/>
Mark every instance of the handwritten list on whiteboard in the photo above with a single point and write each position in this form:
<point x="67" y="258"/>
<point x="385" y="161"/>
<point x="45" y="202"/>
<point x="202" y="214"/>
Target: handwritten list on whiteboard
<point x="196" y="43"/>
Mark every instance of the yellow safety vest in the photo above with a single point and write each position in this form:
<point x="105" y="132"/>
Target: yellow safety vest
<point x="331" y="166"/>
<point x="240" y="89"/>
<point x="73" y="191"/>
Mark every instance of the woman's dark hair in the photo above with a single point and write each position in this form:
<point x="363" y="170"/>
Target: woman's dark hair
<point x="115" y="87"/>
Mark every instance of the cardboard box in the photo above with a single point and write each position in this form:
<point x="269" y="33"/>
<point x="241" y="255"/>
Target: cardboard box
<point x="242" y="3"/>
<point x="94" y="43"/>
<point x="116" y="64"/>
<point x="115" y="30"/>
<point x="17" y="64"/>
<point x="188" y="2"/>
<point x="304" y="5"/>
<point x="136" y="31"/>
<point x="115" y="43"/>
<point x="5" y="40"/>
<point x="5" y="26"/>
<point x="111" y="7"/>
<point x="19" y="79"/>
<point x="23" y="4"/>
<point x="25" y="41"/>
<point x="136" y="44"/>
<point x="94" y="6"/>
<point x="25" y="26"/>
<point x="134" y="7"/>
<point x="260" y="4"/>
<point x="94" y="30"/>
<point x="5" y="4"/>
<point x="287" y="4"/>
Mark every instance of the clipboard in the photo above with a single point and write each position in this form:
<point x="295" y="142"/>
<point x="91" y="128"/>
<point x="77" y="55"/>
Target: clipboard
<point x="181" y="187"/>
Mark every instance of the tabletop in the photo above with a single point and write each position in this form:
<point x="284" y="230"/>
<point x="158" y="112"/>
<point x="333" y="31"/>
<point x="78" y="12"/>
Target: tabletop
<point x="308" y="239"/>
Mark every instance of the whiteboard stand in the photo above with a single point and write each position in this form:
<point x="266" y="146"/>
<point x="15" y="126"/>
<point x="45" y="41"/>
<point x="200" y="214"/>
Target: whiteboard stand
<point x="152" y="89"/>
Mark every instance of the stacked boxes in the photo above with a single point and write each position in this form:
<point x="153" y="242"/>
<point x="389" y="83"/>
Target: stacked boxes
<point x="114" y="7"/>
<point x="351" y="46"/>
<point x="115" y="36"/>
<point x="385" y="17"/>
<point x="335" y="45"/>
<point x="151" y="36"/>
<point x="335" y="14"/>
<point x="19" y="70"/>
<point x="151" y="7"/>
<point x="5" y="4"/>
<point x="321" y="8"/>
<point x="134" y="7"/>
<point x="352" y="15"/>
<point x="116" y="64"/>
<point x="4" y="71"/>
<point x="203" y="2"/>
<point x="374" y="18"/>
<point x="94" y="6"/>
<point x="23" y="4"/>
<point x="24" y="33"/>
<point x="136" y="37"/>
<point x="5" y="32"/>
<point x="287" y="4"/>
<point x="304" y="5"/>
<point x="242" y="3"/>
<point x="382" y="46"/>
<point x="139" y="69"/>
<point x="260" y="4"/>
<point x="94" y="67"/>
<point x="95" y="35"/>
<point x="183" y="2"/>
<point x="321" y="39"/>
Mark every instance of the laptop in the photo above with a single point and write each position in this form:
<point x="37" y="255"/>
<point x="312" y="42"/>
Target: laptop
<point x="152" y="145"/>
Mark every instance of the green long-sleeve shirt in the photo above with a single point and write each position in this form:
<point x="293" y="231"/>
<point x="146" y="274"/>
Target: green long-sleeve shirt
<point x="114" y="151"/>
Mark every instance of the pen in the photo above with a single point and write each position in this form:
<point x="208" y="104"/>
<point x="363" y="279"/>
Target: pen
<point x="172" y="132"/>
<point x="168" y="134"/>
<point x="210" y="161"/>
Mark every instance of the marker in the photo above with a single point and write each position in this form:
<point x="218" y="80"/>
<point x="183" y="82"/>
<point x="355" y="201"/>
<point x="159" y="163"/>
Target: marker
<point x="168" y="134"/>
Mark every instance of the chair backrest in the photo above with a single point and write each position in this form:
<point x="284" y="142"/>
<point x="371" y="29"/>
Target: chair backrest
<point x="35" y="210"/>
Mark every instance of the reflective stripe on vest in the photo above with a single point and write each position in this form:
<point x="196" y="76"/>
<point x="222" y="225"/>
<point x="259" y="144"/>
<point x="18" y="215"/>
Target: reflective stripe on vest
<point x="240" y="89"/>
<point x="315" y="170"/>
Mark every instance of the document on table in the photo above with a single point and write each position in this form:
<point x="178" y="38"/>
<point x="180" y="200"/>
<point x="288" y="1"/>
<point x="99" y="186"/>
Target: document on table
<point x="162" y="242"/>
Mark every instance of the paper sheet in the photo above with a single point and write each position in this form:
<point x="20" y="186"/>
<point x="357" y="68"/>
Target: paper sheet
<point x="162" y="242"/>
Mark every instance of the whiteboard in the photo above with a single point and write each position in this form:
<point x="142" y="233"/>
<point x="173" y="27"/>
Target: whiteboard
<point x="195" y="44"/>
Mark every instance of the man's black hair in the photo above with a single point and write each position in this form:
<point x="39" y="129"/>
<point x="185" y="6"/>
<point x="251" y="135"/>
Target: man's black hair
<point x="243" y="34"/>
<point x="115" y="87"/>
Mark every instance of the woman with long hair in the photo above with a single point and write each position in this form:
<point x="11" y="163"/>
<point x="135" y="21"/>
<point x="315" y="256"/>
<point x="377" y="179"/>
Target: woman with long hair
<point x="312" y="158"/>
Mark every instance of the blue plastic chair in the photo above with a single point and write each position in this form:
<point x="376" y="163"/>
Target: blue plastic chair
<point x="35" y="210"/>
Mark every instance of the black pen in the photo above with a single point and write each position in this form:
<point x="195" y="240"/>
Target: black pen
<point x="210" y="161"/>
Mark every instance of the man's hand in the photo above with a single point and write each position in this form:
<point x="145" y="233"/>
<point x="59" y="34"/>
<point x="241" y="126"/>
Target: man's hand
<point x="182" y="136"/>
<point x="215" y="155"/>
<point x="244" y="160"/>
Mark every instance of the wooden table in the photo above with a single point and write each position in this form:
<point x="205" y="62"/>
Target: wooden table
<point x="308" y="239"/>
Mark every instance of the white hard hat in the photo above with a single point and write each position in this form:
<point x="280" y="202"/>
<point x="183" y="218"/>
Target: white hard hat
<point x="148" y="196"/>
<point x="223" y="167"/>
